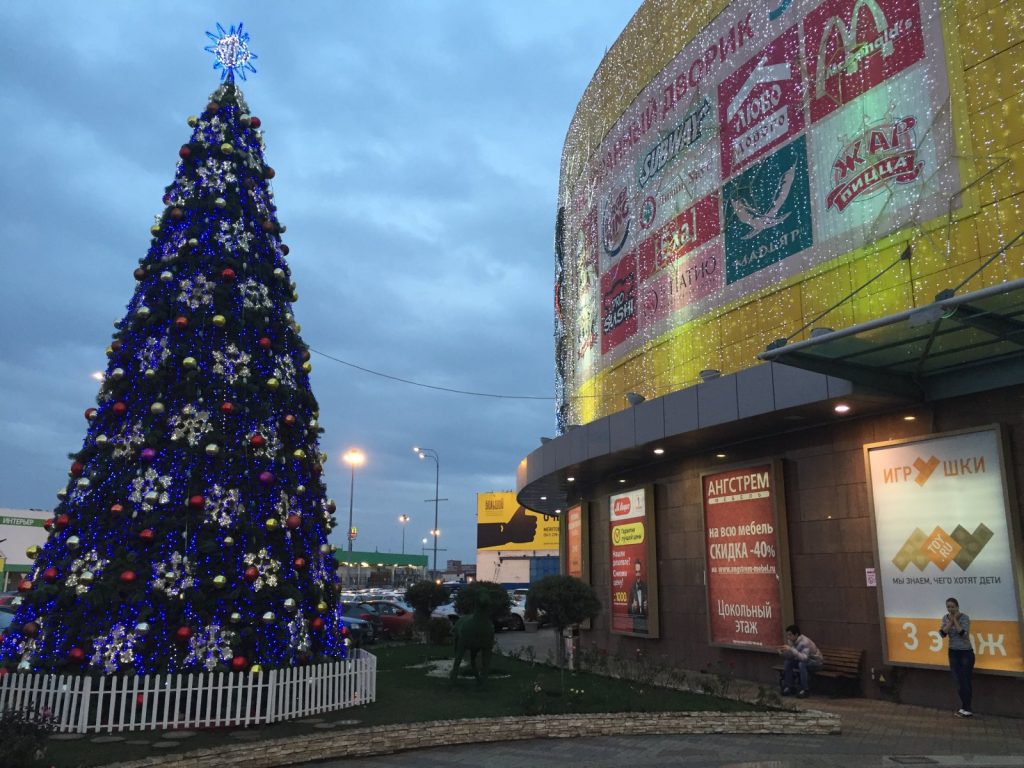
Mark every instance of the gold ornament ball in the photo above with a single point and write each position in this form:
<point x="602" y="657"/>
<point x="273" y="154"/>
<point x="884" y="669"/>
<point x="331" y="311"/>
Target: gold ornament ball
<point x="155" y="229"/>
<point x="83" y="482"/>
<point x="220" y="202"/>
<point x="268" y="617"/>
<point x="142" y="628"/>
<point x="219" y="320"/>
<point x="279" y="273"/>
<point x="244" y="118"/>
<point x="192" y="242"/>
<point x="212" y="449"/>
<point x="73" y="543"/>
<point x="297" y="327"/>
<point x="32" y="552"/>
<point x="307" y="366"/>
<point x="189" y="362"/>
<point x="325" y="549"/>
<point x="149" y="373"/>
<point x="102" y="440"/>
<point x="226" y="148"/>
<point x="61" y="494"/>
<point x="142" y="312"/>
<point x="193" y="121"/>
<point x="255" y="669"/>
<point x="87" y="577"/>
<point x="273" y="383"/>
<point x="321" y="607"/>
<point x="235" y="617"/>
<point x="166" y="276"/>
<point x="272" y="523"/>
<point x="229" y="541"/>
<point x="298" y="453"/>
<point x="117" y="374"/>
<point x="157" y="408"/>
<point x="300" y="489"/>
<point x="220" y="581"/>
<point x="290" y="604"/>
<point x="295" y="296"/>
<point x="110" y="351"/>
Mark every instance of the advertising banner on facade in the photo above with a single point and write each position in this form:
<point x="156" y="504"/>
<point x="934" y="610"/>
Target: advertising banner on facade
<point x="503" y="523"/>
<point x="784" y="135"/>
<point x="577" y="543"/>
<point x="19" y="530"/>
<point x="943" y="529"/>
<point x="749" y="600"/>
<point x="634" y="576"/>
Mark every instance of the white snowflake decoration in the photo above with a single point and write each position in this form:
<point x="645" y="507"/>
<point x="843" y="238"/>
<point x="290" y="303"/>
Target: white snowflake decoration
<point x="190" y="425"/>
<point x="254" y="295"/>
<point x="231" y="363"/>
<point x="154" y="351"/>
<point x="216" y="174"/>
<point x="287" y="505"/>
<point x="210" y="648"/>
<point x="284" y="370"/>
<point x="150" y="489"/>
<point x="172" y="245"/>
<point x="115" y="650"/>
<point x="90" y="562"/>
<point x="196" y="292"/>
<point x="128" y="440"/>
<point x="298" y="635"/>
<point x="222" y="506"/>
<point x="266" y="566"/>
<point x="173" y="577"/>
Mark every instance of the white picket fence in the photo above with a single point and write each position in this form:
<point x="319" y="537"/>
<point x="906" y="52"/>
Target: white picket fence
<point x="85" y="704"/>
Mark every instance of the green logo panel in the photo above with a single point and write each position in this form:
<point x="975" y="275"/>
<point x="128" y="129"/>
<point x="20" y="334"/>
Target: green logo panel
<point x="767" y="212"/>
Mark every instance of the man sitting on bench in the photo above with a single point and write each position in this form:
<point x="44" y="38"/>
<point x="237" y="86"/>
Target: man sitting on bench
<point x="801" y="658"/>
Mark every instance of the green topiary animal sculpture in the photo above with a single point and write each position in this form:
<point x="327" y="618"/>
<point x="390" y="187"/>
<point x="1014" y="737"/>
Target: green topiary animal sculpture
<point x="475" y="633"/>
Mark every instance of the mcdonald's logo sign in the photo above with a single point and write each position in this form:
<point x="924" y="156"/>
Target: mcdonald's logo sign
<point x="853" y="45"/>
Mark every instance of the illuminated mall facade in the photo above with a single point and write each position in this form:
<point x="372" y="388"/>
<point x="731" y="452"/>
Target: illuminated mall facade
<point x="789" y="310"/>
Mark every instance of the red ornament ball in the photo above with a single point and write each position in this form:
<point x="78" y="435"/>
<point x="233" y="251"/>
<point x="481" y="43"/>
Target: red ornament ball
<point x="146" y="535"/>
<point x="140" y="274"/>
<point x="62" y="521"/>
<point x="76" y="655"/>
<point x="269" y="226"/>
<point x="119" y="408"/>
<point x="227" y="274"/>
<point x="196" y="502"/>
<point x="299" y="563"/>
<point x="269" y="173"/>
<point x="30" y="629"/>
<point x="184" y="152"/>
<point x="116" y="345"/>
<point x="181" y="322"/>
<point x="127" y="577"/>
<point x="257" y="441"/>
<point x="239" y="663"/>
<point x="183" y="633"/>
<point x="316" y="624"/>
<point x="227" y="407"/>
<point x="304" y="355"/>
<point x="254" y="122"/>
<point x="90" y="414"/>
<point x="251" y="574"/>
<point x="293" y="521"/>
<point x="25" y="585"/>
<point x="212" y="106"/>
<point x="48" y="524"/>
<point x="266" y="477"/>
<point x="177" y="213"/>
<point x="50" y="575"/>
<point x="116" y="509"/>
<point x="289" y="420"/>
<point x="77" y="468"/>
<point x="265" y="343"/>
<point x="166" y="198"/>
<point x="285" y="250"/>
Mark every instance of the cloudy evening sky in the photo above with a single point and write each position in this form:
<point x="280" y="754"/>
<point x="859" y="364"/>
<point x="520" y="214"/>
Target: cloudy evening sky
<point x="417" y="149"/>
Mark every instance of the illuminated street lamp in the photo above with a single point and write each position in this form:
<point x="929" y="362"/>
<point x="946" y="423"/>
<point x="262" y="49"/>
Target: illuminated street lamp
<point x="403" y="519"/>
<point x="425" y="453"/>
<point x="354" y="458"/>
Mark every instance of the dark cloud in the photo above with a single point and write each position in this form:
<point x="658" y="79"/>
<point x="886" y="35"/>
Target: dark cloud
<point x="417" y="148"/>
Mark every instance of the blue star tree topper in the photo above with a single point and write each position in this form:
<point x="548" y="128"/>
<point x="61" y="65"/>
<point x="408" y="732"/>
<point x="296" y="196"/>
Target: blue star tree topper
<point x="231" y="49"/>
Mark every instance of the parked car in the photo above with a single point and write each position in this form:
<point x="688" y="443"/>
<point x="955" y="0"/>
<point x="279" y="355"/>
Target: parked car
<point x="367" y="613"/>
<point x="395" y="617"/>
<point x="445" y="611"/>
<point x="515" y="618"/>
<point x="6" y="618"/>
<point x="11" y="598"/>
<point x="359" y="632"/>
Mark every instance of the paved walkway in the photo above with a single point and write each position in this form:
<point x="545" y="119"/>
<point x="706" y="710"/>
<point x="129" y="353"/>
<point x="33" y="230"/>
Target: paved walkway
<point x="875" y="733"/>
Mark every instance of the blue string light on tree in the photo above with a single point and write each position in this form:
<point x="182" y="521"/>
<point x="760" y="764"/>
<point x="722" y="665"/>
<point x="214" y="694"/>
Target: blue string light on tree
<point x="231" y="48"/>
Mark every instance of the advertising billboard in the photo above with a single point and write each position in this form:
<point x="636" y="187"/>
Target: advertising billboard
<point x="781" y="137"/>
<point x="944" y="528"/>
<point x="748" y="586"/>
<point x="503" y="523"/>
<point x="634" y="571"/>
<point x="577" y="543"/>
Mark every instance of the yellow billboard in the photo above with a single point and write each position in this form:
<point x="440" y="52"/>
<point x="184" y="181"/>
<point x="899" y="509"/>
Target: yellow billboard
<point x="503" y="523"/>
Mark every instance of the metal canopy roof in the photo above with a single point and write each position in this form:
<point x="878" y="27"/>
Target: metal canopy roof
<point x="954" y="346"/>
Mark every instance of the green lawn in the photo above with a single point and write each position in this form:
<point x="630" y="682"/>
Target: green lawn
<point x="405" y="693"/>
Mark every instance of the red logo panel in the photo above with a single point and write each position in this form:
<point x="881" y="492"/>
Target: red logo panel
<point x="619" y="303"/>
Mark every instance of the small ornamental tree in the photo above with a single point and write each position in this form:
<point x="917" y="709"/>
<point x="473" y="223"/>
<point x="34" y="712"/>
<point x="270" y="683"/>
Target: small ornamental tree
<point x="424" y="596"/>
<point x="469" y="597"/>
<point x="566" y="600"/>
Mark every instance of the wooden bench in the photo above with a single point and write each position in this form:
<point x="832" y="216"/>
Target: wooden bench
<point x="844" y="665"/>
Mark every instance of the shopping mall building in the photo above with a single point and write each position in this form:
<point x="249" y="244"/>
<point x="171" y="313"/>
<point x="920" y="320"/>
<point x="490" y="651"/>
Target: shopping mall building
<point x="790" y="338"/>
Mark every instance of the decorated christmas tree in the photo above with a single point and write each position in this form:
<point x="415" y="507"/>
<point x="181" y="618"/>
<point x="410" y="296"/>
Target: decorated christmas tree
<point x="192" y="534"/>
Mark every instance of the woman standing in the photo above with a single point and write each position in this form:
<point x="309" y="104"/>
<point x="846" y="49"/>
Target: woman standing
<point x="957" y="627"/>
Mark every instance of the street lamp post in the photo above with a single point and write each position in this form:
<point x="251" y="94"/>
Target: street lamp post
<point x="425" y="453"/>
<point x="354" y="458"/>
<point x="403" y="519"/>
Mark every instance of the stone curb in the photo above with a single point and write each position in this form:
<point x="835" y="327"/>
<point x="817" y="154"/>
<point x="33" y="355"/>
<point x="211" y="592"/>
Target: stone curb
<point x="387" y="739"/>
